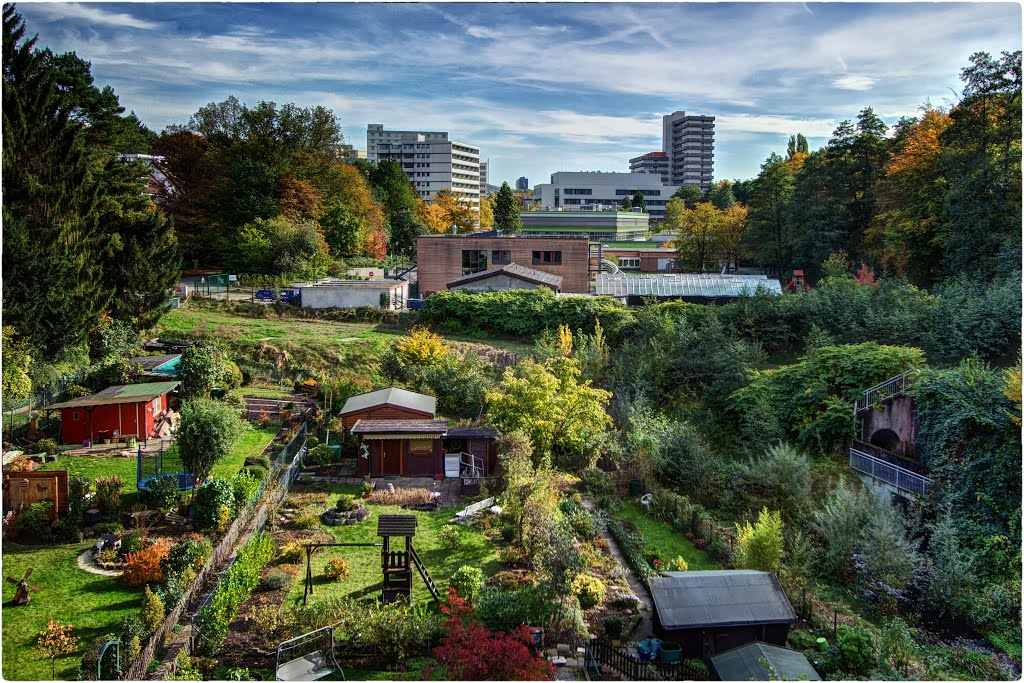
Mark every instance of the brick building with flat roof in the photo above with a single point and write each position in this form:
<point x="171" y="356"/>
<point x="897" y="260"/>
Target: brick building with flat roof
<point x="444" y="258"/>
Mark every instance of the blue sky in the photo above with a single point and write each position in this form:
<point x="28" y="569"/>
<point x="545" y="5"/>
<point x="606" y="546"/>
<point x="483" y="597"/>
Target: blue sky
<point x="540" y="87"/>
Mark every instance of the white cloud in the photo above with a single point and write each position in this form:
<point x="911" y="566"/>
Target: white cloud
<point x="728" y="124"/>
<point x="854" y="82"/>
<point x="93" y="15"/>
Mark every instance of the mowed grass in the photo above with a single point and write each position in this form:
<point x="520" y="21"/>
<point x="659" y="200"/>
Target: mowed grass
<point x="663" y="539"/>
<point x="252" y="442"/>
<point x="93" y="604"/>
<point x="365" y="580"/>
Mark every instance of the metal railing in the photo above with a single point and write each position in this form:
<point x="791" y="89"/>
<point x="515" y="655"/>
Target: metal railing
<point x="632" y="668"/>
<point x="902" y="479"/>
<point x="894" y="386"/>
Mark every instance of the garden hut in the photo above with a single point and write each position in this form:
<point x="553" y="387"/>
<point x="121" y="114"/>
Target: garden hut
<point x="708" y="612"/>
<point x="118" y="412"/>
<point x="763" y="662"/>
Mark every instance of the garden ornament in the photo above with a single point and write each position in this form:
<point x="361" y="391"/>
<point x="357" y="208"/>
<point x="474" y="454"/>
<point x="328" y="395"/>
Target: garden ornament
<point x="21" y="595"/>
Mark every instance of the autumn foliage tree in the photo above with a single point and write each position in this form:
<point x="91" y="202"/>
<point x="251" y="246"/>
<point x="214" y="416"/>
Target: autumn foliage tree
<point x="56" y="641"/>
<point x="472" y="652"/>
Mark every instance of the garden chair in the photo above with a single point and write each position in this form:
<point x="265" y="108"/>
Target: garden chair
<point x="308" y="657"/>
<point x="645" y="502"/>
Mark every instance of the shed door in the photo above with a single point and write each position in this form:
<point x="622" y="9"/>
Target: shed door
<point x="478" y="447"/>
<point x="129" y="420"/>
<point x="391" y="457"/>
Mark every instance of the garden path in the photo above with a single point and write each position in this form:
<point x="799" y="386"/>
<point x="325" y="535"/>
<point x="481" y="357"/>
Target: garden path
<point x="645" y="629"/>
<point x="86" y="563"/>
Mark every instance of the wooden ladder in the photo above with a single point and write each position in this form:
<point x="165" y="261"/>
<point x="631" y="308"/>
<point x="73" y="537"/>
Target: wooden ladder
<point x="426" y="577"/>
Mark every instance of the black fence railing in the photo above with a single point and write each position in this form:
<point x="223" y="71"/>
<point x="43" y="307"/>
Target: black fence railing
<point x="601" y="654"/>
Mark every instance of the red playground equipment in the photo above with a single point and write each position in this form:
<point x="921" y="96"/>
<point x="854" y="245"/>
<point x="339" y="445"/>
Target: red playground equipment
<point x="797" y="283"/>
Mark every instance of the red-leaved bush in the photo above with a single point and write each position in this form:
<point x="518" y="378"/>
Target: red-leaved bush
<point x="145" y="566"/>
<point x="865" y="277"/>
<point x="472" y="652"/>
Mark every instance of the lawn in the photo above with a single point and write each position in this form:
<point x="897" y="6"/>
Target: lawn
<point x="365" y="579"/>
<point x="663" y="539"/>
<point x="252" y="442"/>
<point x="93" y="604"/>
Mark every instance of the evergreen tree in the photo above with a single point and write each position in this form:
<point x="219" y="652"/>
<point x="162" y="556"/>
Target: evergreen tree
<point x="720" y="194"/>
<point x="691" y="194"/>
<point x="54" y="290"/>
<point x="506" y="212"/>
<point x="797" y="145"/>
<point x="627" y="203"/>
<point x="768" y="228"/>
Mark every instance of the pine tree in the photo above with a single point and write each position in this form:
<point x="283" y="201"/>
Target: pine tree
<point x="506" y="212"/>
<point x="627" y="203"/>
<point x="638" y="201"/>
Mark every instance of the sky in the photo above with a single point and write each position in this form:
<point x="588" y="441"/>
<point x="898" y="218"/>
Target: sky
<point x="540" y="87"/>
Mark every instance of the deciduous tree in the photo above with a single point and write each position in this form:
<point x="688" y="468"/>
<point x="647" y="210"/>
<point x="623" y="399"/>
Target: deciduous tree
<point x="207" y="431"/>
<point x="699" y="237"/>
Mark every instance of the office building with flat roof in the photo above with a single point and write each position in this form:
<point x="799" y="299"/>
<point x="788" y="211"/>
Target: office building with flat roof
<point x="654" y="163"/>
<point x="523" y="183"/>
<point x="598" y="191"/>
<point x="615" y="226"/>
<point x="432" y="161"/>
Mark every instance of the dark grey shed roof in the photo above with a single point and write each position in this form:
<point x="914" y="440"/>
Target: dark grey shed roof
<point x="396" y="525"/>
<point x="392" y="396"/>
<point x="701" y="599"/>
<point x="743" y="664"/>
<point x="151" y="362"/>
<point x="512" y="270"/>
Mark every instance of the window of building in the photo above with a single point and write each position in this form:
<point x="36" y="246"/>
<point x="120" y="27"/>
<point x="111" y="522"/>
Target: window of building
<point x="421" y="446"/>
<point x="74" y="416"/>
<point x="575" y="190"/>
<point x="629" y="262"/>
<point x="473" y="261"/>
<point x="501" y="257"/>
<point x="547" y="258"/>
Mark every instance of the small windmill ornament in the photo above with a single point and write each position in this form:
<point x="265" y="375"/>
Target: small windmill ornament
<point x="21" y="595"/>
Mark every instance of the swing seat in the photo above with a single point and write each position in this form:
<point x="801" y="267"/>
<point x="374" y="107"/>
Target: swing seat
<point x="310" y="667"/>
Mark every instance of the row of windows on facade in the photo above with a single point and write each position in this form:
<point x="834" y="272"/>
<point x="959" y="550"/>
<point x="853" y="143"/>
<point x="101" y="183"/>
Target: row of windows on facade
<point x="652" y="202"/>
<point x="475" y="260"/>
<point x="618" y="193"/>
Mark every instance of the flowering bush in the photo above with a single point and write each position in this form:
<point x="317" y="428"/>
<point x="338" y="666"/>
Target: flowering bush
<point x="676" y="565"/>
<point x="589" y="589"/>
<point x="145" y="566"/>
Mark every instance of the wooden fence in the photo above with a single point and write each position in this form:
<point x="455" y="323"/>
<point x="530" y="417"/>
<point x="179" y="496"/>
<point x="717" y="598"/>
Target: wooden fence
<point x="632" y="668"/>
<point x="252" y="519"/>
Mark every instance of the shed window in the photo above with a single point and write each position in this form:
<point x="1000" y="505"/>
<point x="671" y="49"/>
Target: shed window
<point x="74" y="416"/>
<point x="421" y="446"/>
<point x="501" y="257"/>
<point x="629" y="262"/>
<point x="473" y="261"/>
<point x="547" y="258"/>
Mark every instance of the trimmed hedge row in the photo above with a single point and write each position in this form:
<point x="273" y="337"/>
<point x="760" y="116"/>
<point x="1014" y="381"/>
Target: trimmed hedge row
<point x="632" y="545"/>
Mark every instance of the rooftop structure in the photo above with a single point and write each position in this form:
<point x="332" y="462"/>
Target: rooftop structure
<point x="703" y="599"/>
<point x="654" y="163"/>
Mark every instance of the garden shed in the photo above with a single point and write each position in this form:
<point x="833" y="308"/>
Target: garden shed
<point x="158" y="368"/>
<point x="747" y="663"/>
<point x="708" y="612"/>
<point x="118" y="412"/>
<point x="418" y="448"/>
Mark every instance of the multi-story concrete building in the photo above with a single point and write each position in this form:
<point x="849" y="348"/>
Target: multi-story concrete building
<point x="597" y="191"/>
<point x="432" y="161"/>
<point x="654" y="163"/>
<point x="615" y="226"/>
<point x="483" y="178"/>
<point x="689" y="143"/>
<point x="523" y="183"/>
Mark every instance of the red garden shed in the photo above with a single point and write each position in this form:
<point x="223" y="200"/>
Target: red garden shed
<point x="129" y="410"/>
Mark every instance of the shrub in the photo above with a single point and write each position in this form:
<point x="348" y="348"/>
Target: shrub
<point x="589" y="589"/>
<point x="261" y="460"/>
<point x="291" y="553"/>
<point x="632" y="545"/>
<point x="35" y="520"/>
<point x="208" y="501"/>
<point x="246" y="487"/>
<point x="145" y="566"/>
<point x="132" y="542"/>
<point x="189" y="551"/>
<point x="855" y="648"/>
<point x="366" y="490"/>
<point x="319" y="456"/>
<point x="305" y="522"/>
<point x="449" y="537"/>
<point x="346" y="502"/>
<point x="47" y="446"/>
<point x="596" y="482"/>
<point x="172" y="591"/>
<point x="152" y="613"/>
<point x="337" y="569"/>
<point x="257" y="472"/>
<point x="108" y="494"/>
<point x="111" y="528"/>
<point x="132" y="625"/>
<point x="163" y="492"/>
<point x="263" y="419"/>
<point x="467" y="581"/>
<point x="223" y="518"/>
<point x="275" y="581"/>
<point x="613" y="627"/>
<point x="759" y="546"/>
<point x="266" y="620"/>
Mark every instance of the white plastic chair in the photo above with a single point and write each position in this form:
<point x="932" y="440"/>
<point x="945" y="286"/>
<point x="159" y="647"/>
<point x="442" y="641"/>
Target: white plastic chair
<point x="645" y="501"/>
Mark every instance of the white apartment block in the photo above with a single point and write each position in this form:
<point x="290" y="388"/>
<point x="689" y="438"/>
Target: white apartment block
<point x="432" y="161"/>
<point x="598" y="191"/>
<point x="689" y="142"/>
<point x="483" y="177"/>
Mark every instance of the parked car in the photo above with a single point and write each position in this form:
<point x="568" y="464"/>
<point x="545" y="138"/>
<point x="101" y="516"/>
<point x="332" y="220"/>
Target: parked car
<point x="286" y="296"/>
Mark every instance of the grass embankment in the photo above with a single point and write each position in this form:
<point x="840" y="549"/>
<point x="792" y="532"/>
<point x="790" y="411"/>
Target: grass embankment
<point x="93" y="604"/>
<point x="365" y="578"/>
<point x="662" y="539"/>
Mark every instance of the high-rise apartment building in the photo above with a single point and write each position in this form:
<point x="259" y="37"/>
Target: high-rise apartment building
<point x="689" y="143"/>
<point x="432" y="161"/>
<point x="523" y="183"/>
<point x="483" y="178"/>
<point x="653" y="163"/>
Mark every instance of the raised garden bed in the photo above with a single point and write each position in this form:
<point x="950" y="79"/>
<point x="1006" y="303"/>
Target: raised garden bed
<point x="334" y="517"/>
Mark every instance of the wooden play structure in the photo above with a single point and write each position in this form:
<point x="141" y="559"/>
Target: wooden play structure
<point x="397" y="564"/>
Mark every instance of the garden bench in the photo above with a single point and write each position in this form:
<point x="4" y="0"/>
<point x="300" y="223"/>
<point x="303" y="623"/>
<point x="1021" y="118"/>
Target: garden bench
<point x="473" y="509"/>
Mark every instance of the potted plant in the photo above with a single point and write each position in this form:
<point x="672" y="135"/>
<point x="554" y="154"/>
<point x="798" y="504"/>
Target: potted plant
<point x="613" y="628"/>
